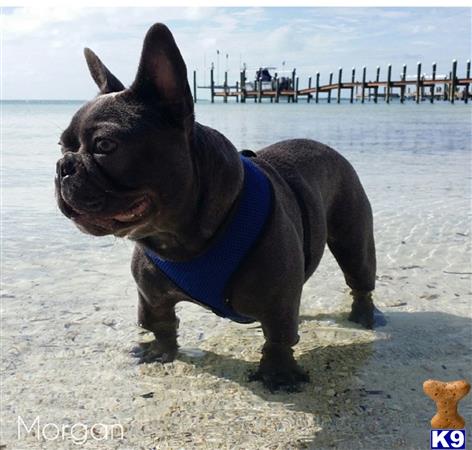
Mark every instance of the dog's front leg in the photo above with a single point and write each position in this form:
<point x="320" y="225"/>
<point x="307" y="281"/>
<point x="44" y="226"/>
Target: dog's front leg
<point x="278" y="368"/>
<point x="163" y="322"/>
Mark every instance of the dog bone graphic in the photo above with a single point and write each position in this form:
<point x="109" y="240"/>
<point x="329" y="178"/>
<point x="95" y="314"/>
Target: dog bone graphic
<point x="446" y="395"/>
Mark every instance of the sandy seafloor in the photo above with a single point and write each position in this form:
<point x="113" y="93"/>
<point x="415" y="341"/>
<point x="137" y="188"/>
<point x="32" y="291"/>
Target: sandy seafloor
<point x="69" y="301"/>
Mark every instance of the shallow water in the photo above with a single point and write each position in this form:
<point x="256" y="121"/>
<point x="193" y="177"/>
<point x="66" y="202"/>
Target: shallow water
<point x="69" y="301"/>
<point x="414" y="162"/>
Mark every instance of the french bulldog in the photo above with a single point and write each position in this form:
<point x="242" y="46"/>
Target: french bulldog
<point x="136" y="164"/>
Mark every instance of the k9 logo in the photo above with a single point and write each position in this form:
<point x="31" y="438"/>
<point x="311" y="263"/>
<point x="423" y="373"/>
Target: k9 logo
<point x="441" y="439"/>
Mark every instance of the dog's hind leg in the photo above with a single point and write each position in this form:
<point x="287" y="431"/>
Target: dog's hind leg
<point x="278" y="368"/>
<point x="351" y="240"/>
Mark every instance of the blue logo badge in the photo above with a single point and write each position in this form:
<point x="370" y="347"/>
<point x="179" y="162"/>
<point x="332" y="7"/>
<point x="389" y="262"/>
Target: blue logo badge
<point x="450" y="439"/>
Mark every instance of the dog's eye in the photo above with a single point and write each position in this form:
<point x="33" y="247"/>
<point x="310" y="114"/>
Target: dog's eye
<point x="104" y="146"/>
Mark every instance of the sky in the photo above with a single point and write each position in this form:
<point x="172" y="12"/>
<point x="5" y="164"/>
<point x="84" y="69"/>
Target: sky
<point x="42" y="48"/>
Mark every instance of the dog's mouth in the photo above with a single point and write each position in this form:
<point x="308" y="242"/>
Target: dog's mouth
<point x="135" y="213"/>
<point x="118" y="223"/>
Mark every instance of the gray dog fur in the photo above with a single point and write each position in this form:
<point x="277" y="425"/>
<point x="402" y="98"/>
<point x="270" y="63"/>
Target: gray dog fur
<point x="135" y="163"/>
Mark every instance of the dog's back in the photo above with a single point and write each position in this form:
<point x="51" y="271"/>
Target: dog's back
<point x="320" y="169"/>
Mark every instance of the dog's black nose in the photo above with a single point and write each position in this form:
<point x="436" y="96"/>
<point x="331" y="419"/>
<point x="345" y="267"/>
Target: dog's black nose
<point x="67" y="166"/>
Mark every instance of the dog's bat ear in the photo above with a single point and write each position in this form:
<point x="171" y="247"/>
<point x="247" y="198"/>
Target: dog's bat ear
<point x="105" y="80"/>
<point x="162" y="75"/>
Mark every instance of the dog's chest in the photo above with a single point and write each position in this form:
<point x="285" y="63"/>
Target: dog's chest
<point x="206" y="277"/>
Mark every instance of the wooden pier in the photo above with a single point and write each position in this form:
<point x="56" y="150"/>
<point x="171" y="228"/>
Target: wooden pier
<point x="418" y="88"/>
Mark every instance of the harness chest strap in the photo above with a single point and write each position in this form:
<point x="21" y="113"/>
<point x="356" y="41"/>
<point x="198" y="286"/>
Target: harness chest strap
<point x="205" y="277"/>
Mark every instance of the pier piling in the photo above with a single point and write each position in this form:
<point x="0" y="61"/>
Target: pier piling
<point x="340" y="78"/>
<point x="453" y="80"/>
<point x="403" y="86"/>
<point x="466" y="89"/>
<point x="225" y="88"/>
<point x="389" y="81"/>
<point x="293" y="85"/>
<point x="212" y="85"/>
<point x="418" y="82"/>
<point x="243" y="86"/>
<point x="376" y="87"/>
<point x="330" y="83"/>
<point x="433" y="77"/>
<point x="353" y="80"/>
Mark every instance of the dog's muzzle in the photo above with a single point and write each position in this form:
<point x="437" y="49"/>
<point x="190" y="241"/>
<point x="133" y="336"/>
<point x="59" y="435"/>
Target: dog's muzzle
<point x="67" y="165"/>
<point x="74" y="185"/>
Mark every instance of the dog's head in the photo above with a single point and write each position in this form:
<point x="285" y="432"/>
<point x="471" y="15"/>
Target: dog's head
<point x="127" y="168"/>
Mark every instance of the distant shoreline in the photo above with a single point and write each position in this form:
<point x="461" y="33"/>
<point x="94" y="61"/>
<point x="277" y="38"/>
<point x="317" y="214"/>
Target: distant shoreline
<point x="38" y="101"/>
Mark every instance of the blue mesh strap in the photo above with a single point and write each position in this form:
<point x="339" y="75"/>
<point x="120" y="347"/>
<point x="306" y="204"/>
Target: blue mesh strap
<point x="205" y="277"/>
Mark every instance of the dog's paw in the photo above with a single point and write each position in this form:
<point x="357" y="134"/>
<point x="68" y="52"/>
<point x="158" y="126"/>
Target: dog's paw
<point x="367" y="315"/>
<point x="153" y="351"/>
<point x="362" y="316"/>
<point x="278" y="379"/>
<point x="362" y="309"/>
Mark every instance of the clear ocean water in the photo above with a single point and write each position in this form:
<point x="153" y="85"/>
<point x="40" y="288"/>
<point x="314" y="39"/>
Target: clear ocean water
<point x="399" y="151"/>
<point x="69" y="301"/>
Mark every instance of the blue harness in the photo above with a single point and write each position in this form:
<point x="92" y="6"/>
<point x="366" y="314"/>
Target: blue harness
<point x="205" y="277"/>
